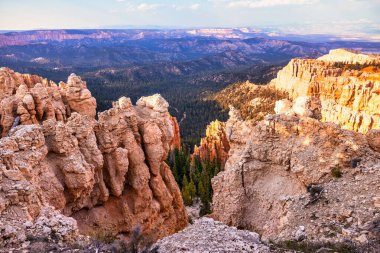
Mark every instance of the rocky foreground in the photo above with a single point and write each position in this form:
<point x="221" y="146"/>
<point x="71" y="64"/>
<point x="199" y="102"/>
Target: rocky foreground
<point x="207" y="235"/>
<point x="64" y="173"/>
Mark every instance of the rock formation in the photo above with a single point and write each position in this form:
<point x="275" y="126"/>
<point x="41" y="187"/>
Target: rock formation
<point x="108" y="174"/>
<point x="177" y="136"/>
<point x="345" y="86"/>
<point x="27" y="99"/>
<point x="282" y="179"/>
<point x="297" y="174"/>
<point x="215" y="145"/>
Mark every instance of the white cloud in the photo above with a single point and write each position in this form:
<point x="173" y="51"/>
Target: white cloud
<point x="195" y="7"/>
<point x="147" y="7"/>
<point x="359" y="29"/>
<point x="192" y="7"/>
<point x="120" y="1"/>
<point x="261" y="3"/>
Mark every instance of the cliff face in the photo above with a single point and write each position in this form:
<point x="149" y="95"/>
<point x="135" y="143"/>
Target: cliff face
<point x="293" y="178"/>
<point x="109" y="174"/>
<point x="296" y="175"/>
<point x="215" y="145"/>
<point x="344" y="84"/>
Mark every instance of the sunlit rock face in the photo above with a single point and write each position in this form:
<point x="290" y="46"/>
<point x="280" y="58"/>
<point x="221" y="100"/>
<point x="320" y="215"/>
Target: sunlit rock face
<point x="108" y="174"/>
<point x="27" y="99"/>
<point x="214" y="146"/>
<point x="346" y="86"/>
<point x="176" y="144"/>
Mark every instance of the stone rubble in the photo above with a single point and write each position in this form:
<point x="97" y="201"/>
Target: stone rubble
<point x="209" y="236"/>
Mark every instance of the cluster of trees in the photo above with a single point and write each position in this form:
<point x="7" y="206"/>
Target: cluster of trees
<point x="242" y="96"/>
<point x="357" y="66"/>
<point x="183" y="97"/>
<point x="193" y="176"/>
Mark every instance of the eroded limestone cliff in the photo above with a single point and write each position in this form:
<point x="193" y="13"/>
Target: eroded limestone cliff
<point x="344" y="86"/>
<point x="58" y="161"/>
<point x="215" y="145"/>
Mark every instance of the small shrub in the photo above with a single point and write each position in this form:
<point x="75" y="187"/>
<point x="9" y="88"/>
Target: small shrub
<point x="105" y="236"/>
<point x="336" y="172"/>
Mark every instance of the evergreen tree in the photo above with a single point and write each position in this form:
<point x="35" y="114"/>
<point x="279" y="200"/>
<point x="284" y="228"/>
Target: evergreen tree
<point x="186" y="194"/>
<point x="192" y="190"/>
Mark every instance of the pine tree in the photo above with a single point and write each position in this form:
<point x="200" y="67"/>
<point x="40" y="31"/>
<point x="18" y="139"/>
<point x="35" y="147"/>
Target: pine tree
<point x="192" y="189"/>
<point x="202" y="191"/>
<point x="186" y="195"/>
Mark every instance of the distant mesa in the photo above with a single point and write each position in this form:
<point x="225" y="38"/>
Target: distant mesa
<point x="350" y="57"/>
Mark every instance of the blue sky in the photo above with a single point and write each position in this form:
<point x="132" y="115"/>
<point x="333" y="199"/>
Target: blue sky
<point x="346" y="17"/>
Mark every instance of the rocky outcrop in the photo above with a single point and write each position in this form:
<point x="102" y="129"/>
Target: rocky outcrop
<point x="208" y="235"/>
<point x="346" y="86"/>
<point x="214" y="146"/>
<point x="27" y="99"/>
<point x="294" y="177"/>
<point x="108" y="174"/>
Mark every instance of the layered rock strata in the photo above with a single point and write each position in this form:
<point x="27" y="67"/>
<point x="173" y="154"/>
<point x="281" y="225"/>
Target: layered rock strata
<point x="108" y="174"/>
<point x="346" y="86"/>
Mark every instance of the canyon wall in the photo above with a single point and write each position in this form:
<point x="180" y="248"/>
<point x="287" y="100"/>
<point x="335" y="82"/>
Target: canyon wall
<point x="58" y="161"/>
<point x="297" y="174"/>
<point x="344" y="85"/>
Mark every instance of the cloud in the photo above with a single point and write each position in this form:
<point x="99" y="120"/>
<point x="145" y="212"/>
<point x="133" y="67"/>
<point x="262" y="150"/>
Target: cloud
<point x="195" y="7"/>
<point x="192" y="7"/>
<point x="261" y="3"/>
<point x="359" y="28"/>
<point x="120" y="1"/>
<point x="147" y="7"/>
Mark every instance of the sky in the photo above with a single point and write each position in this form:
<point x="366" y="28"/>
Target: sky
<point x="344" y="17"/>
